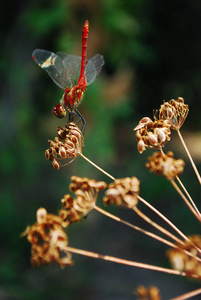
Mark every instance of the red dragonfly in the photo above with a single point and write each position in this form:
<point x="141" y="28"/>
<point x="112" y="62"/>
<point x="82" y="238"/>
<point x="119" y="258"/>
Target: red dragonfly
<point x="71" y="73"/>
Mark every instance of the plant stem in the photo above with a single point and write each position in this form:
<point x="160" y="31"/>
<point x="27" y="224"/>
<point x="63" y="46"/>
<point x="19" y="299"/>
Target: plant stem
<point x="189" y="197"/>
<point x="185" y="200"/>
<point x="109" y="215"/>
<point x="154" y="236"/>
<point x="148" y="220"/>
<point x="188" y="295"/>
<point x="125" y="262"/>
<point x="189" y="156"/>
<point x="97" y="167"/>
<point x="164" y="218"/>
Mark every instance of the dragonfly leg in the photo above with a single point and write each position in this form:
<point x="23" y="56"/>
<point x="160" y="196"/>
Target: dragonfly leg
<point x="71" y="117"/>
<point x="80" y="117"/>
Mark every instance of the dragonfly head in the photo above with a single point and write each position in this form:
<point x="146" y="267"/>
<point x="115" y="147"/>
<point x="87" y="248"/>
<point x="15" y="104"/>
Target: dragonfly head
<point x="59" y="111"/>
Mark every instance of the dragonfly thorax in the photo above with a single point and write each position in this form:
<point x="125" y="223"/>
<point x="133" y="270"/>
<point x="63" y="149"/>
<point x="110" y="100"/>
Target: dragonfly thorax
<point x="72" y="97"/>
<point x="69" y="101"/>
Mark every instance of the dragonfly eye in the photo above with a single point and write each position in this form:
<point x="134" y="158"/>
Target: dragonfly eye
<point x="59" y="111"/>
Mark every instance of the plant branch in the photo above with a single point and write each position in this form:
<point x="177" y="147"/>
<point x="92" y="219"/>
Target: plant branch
<point x="188" y="295"/>
<point x="109" y="215"/>
<point x="164" y="218"/>
<point x="185" y="200"/>
<point x="189" y="197"/>
<point x="124" y="261"/>
<point x="152" y="235"/>
<point x="97" y="167"/>
<point x="161" y="229"/>
<point x="189" y="156"/>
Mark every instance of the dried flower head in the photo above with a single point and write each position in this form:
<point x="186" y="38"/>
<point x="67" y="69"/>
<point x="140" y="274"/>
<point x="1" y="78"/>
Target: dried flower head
<point x="152" y="134"/>
<point x="67" y="145"/>
<point x="165" y="165"/>
<point x="86" y="191"/>
<point x="123" y="192"/>
<point x="173" y="111"/>
<point x="151" y="293"/>
<point x="183" y="262"/>
<point x="48" y="240"/>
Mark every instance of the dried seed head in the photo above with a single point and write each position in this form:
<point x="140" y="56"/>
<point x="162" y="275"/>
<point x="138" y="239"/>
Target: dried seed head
<point x="123" y="192"/>
<point x="48" y="240"/>
<point x="152" y="134"/>
<point x="181" y="261"/>
<point x="144" y="293"/>
<point x="86" y="191"/>
<point x="165" y="165"/>
<point x="67" y="145"/>
<point x="173" y="111"/>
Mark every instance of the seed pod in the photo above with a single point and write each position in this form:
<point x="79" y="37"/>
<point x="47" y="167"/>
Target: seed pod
<point x="56" y="164"/>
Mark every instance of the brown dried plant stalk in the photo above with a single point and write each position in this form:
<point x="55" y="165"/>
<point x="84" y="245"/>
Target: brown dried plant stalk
<point x="50" y="242"/>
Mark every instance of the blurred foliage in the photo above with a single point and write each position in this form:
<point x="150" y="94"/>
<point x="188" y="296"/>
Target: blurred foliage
<point x="152" y="52"/>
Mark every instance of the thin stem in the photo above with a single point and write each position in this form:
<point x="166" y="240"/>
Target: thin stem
<point x="189" y="156"/>
<point x="148" y="220"/>
<point x="164" y="218"/>
<point x="189" y="197"/>
<point x="152" y="235"/>
<point x="188" y="295"/>
<point x="125" y="262"/>
<point x="109" y="215"/>
<point x="97" y="167"/>
<point x="185" y="199"/>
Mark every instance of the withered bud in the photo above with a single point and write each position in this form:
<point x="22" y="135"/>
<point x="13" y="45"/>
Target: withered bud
<point x="175" y="112"/>
<point x="67" y="145"/>
<point x="152" y="134"/>
<point x="123" y="192"/>
<point x="86" y="192"/>
<point x="181" y="261"/>
<point x="48" y="240"/>
<point x="151" y="293"/>
<point x="165" y="165"/>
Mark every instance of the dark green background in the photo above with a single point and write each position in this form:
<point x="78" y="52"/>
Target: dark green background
<point x="152" y="51"/>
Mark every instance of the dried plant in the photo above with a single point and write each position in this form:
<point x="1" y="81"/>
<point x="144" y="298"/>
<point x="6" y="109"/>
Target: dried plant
<point x="48" y="237"/>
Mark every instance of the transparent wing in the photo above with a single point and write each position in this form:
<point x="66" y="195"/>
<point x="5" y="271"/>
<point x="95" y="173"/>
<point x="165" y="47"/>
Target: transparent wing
<point x="54" y="66"/>
<point x="72" y="64"/>
<point x="93" y="67"/>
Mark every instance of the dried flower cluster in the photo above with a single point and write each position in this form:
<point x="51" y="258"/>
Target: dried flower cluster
<point x="165" y="165"/>
<point x="86" y="191"/>
<point x="48" y="240"/>
<point x="123" y="192"/>
<point x="151" y="293"/>
<point x="174" y="111"/>
<point x="68" y="144"/>
<point x="152" y="134"/>
<point x="155" y="134"/>
<point x="183" y="262"/>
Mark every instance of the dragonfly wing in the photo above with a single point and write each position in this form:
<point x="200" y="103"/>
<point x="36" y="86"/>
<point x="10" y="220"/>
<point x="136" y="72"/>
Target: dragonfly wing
<point x="93" y="67"/>
<point x="72" y="64"/>
<point x="53" y="65"/>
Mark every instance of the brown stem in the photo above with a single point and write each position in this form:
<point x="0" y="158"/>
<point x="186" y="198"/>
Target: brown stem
<point x="124" y="261"/>
<point x="97" y="167"/>
<point x="102" y="211"/>
<point x="189" y="197"/>
<point x="185" y="200"/>
<point x="188" y="295"/>
<point x="154" y="236"/>
<point x="148" y="220"/>
<point x="164" y="218"/>
<point x="189" y="156"/>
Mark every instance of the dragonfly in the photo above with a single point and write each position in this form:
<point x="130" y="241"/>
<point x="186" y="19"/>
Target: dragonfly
<point x="72" y="74"/>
